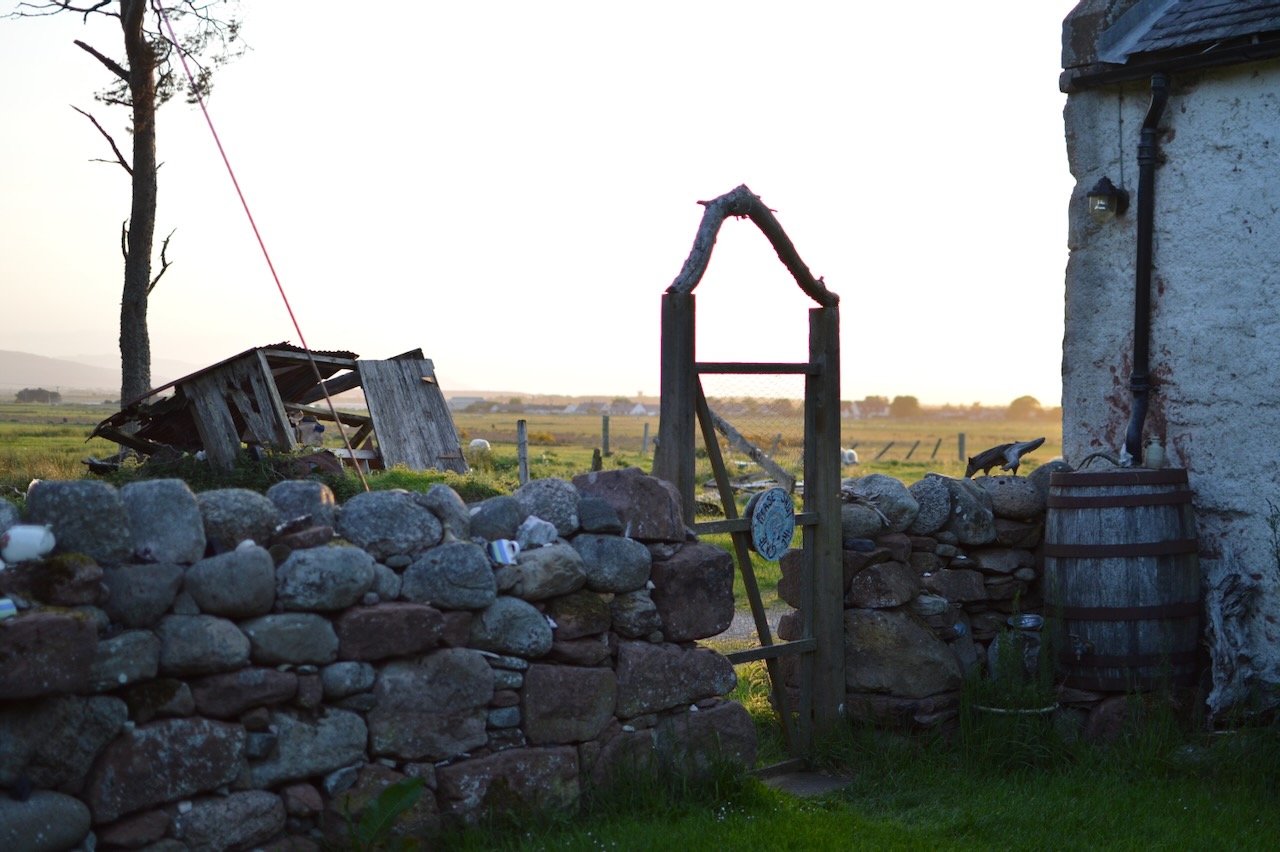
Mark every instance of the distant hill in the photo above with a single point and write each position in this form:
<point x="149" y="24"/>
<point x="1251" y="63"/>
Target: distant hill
<point x="23" y="370"/>
<point x="89" y="375"/>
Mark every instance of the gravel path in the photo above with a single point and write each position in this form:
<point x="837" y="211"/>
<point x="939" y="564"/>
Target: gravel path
<point x="744" y="626"/>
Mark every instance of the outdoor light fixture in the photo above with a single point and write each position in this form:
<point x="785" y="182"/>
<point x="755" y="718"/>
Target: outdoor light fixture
<point x="1106" y="201"/>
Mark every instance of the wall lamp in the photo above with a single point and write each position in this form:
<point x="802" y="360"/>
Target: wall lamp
<point x="1107" y="201"/>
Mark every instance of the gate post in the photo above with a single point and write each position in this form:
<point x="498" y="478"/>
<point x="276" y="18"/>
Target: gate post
<point x="822" y="495"/>
<point x="673" y="458"/>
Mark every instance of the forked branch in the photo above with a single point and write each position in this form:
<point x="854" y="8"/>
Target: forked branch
<point x="742" y="202"/>
<point x="105" y="135"/>
<point x="164" y="263"/>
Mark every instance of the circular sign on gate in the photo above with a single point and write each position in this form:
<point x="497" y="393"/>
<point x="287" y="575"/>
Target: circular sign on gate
<point x="773" y="522"/>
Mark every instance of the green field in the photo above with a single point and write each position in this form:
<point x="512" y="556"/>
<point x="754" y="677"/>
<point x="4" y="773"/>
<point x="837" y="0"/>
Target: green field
<point x="51" y="442"/>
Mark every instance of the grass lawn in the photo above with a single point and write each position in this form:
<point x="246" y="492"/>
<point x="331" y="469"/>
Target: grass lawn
<point x="1149" y="793"/>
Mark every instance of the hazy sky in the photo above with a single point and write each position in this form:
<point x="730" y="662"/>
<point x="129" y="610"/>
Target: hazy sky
<point x="512" y="186"/>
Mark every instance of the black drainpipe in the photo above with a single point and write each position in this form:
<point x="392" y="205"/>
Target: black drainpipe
<point x="1140" y="378"/>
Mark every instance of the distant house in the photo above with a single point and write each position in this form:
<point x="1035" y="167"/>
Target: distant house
<point x="872" y="407"/>
<point x="1177" y="102"/>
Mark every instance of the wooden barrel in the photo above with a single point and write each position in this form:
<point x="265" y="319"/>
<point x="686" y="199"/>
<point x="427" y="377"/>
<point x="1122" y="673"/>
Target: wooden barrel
<point x="1122" y="578"/>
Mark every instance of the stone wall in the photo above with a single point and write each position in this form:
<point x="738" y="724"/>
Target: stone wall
<point x="932" y="574"/>
<point x="232" y="670"/>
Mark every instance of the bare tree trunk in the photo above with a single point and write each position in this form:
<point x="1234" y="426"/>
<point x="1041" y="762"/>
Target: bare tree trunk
<point x="135" y="342"/>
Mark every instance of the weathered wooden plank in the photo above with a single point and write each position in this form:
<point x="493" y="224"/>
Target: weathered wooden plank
<point x="285" y="355"/>
<point x="410" y="416"/>
<point x="261" y="407"/>
<point x="217" y="428"/>
<point x="673" y="457"/>
<point x="351" y="380"/>
<point x="767" y="652"/>
<point x="754" y="369"/>
<point x="757" y="455"/>
<point x="825" y="593"/>
<point x="350" y="418"/>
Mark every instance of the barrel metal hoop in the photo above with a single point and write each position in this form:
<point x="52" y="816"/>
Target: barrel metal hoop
<point x="1120" y="501"/>
<point x="1124" y="684"/>
<point x="1176" y="547"/>
<point x="1168" y="476"/>
<point x="1093" y="661"/>
<point x="1159" y="612"/>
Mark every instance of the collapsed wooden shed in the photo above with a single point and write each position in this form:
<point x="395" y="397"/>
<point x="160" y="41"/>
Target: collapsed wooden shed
<point x="257" y="398"/>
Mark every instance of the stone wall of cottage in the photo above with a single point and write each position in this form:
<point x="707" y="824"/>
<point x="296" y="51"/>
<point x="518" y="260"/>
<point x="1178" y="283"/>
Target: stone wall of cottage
<point x="231" y="670"/>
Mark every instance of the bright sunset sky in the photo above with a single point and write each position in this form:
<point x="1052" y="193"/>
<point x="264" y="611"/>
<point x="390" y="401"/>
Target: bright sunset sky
<point x="511" y="186"/>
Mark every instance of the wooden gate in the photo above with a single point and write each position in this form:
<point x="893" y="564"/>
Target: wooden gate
<point x="820" y="652"/>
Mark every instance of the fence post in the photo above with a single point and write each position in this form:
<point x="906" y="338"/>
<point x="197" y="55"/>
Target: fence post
<point x="644" y="442"/>
<point x="934" y="454"/>
<point x="604" y="434"/>
<point x="963" y="457"/>
<point x="522" y="449"/>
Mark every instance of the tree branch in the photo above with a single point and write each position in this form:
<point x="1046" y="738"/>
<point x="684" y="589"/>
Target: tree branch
<point x="164" y="263"/>
<point x="43" y="10"/>
<point x="743" y="202"/>
<point x="112" y="66"/>
<point x="119" y="156"/>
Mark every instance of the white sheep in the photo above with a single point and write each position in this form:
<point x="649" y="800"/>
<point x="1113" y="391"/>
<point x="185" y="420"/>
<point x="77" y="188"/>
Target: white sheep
<point x="848" y="457"/>
<point x="479" y="444"/>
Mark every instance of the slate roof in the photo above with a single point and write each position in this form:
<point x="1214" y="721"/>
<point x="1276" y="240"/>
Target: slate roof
<point x="1193" y="22"/>
<point x="1162" y="26"/>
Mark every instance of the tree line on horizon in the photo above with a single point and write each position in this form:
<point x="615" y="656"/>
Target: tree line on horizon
<point x="898" y="408"/>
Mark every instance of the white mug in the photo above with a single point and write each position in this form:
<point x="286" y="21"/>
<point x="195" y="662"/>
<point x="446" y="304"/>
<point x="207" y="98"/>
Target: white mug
<point x="25" y="541"/>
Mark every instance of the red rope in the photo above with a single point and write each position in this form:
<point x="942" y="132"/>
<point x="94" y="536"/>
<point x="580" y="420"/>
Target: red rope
<point x="173" y="40"/>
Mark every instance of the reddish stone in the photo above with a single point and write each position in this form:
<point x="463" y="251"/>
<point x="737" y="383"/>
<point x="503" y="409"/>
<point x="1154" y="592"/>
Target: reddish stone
<point x="388" y="630"/>
<point x="619" y="758"/>
<point x="956" y="584"/>
<point x="419" y="821"/>
<point x="693" y="591"/>
<point x="456" y="632"/>
<point x="1108" y="719"/>
<point x="566" y="704"/>
<point x="924" y="563"/>
<point x="695" y="741"/>
<point x="918" y="713"/>
<point x="654" y="677"/>
<point x="588" y="651"/>
<point x="310" y="691"/>
<point x="301" y="800"/>
<point x="135" y="831"/>
<point x="649" y="508"/>
<point x="45" y="653"/>
<point x="505" y="698"/>
<point x="582" y="613"/>
<point x="510" y="781"/>
<point x="71" y="579"/>
<point x="224" y="696"/>
<point x="791" y="584"/>
<point x="898" y="545"/>
<point x="162" y="762"/>
<point x="791" y="626"/>
<point x="1011" y="533"/>
<point x="888" y="584"/>
<point x="923" y="543"/>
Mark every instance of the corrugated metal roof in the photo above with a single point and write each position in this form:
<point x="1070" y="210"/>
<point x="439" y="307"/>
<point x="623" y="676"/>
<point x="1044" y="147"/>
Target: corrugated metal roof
<point x="1187" y="23"/>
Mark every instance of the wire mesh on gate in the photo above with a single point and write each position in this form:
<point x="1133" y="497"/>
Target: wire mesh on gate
<point x="766" y="410"/>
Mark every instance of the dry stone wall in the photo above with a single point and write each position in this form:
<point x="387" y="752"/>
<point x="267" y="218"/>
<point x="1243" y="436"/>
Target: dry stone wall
<point x="932" y="573"/>
<point x="231" y="670"/>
